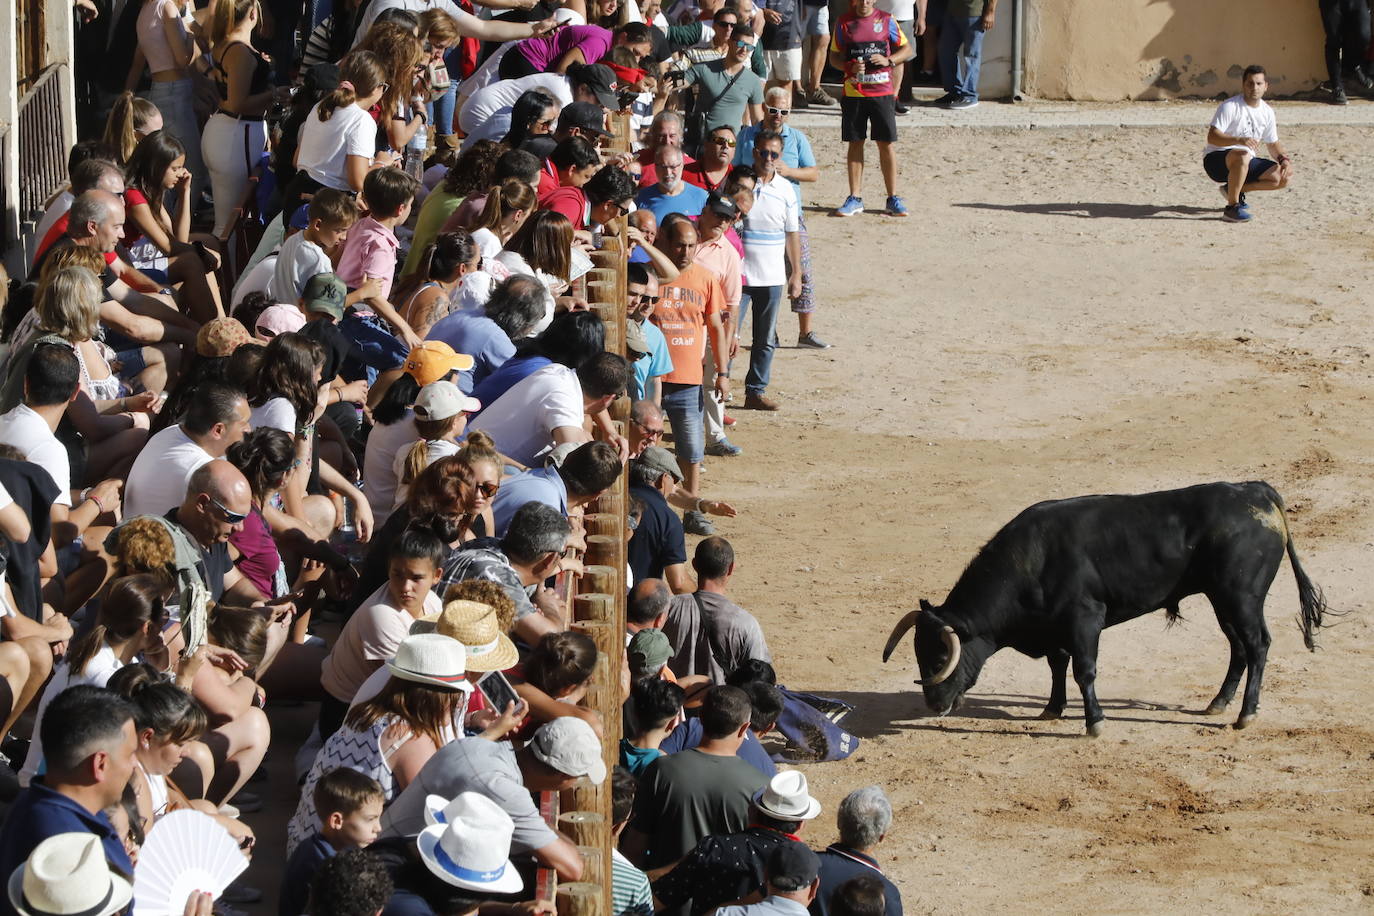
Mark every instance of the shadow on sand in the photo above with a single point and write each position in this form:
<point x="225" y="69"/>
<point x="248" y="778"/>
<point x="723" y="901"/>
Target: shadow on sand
<point x="894" y="713"/>
<point x="1088" y="210"/>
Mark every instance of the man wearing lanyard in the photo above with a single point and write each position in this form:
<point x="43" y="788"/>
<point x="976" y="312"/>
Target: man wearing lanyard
<point x="798" y="164"/>
<point x="864" y="817"/>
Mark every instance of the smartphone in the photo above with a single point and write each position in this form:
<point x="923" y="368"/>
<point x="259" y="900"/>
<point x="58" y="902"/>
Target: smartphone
<point x="497" y="690"/>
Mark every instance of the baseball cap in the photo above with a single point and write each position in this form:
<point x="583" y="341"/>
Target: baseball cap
<point x="325" y="293"/>
<point x="569" y="745"/>
<point x="221" y="337"/>
<point x="600" y="79"/>
<point x="279" y="319"/>
<point x="649" y="651"/>
<point x="657" y="458"/>
<point x="792" y="864"/>
<point x="635" y="341"/>
<point x="722" y="206"/>
<point x="441" y="400"/>
<point x="301" y="218"/>
<point x="432" y="360"/>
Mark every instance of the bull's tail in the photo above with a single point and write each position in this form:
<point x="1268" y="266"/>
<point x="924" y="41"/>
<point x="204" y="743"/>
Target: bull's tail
<point x="1311" y="600"/>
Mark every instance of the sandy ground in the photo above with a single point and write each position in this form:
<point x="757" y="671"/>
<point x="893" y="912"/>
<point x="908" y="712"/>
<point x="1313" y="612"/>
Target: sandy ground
<point x="1066" y="314"/>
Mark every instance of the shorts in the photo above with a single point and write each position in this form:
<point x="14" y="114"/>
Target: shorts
<point x="857" y="113"/>
<point x="1215" y="165"/>
<point x="935" y="12"/>
<point x="816" y="20"/>
<point x="784" y="65"/>
<point x="69" y="557"/>
<point x="131" y="363"/>
<point x="908" y="27"/>
<point x="375" y="349"/>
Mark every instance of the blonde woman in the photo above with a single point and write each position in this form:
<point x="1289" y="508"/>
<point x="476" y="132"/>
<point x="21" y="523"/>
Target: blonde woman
<point x="131" y="119"/>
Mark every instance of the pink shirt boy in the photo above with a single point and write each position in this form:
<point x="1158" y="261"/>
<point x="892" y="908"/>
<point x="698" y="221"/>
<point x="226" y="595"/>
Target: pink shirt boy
<point x="370" y="251"/>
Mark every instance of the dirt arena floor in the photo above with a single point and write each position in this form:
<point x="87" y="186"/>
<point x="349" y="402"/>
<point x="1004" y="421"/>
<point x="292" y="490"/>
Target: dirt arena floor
<point x="1066" y="314"/>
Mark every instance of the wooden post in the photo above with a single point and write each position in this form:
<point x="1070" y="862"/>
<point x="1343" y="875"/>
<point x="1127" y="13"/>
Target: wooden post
<point x="602" y="579"/>
<point x="582" y="898"/>
<point x="582" y="827"/>
<point x="594" y="607"/>
<point x="601" y="551"/>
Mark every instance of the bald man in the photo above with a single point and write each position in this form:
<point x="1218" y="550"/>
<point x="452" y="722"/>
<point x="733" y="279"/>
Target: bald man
<point x="218" y="499"/>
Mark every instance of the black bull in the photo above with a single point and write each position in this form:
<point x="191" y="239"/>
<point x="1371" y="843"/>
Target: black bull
<point x="1057" y="574"/>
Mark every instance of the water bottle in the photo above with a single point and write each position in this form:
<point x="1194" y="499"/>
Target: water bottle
<point x="420" y="142"/>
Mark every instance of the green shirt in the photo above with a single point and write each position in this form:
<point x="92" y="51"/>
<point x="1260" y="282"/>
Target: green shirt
<point x="965" y="8"/>
<point x="688" y="795"/>
<point x="434" y="212"/>
<point x="727" y="107"/>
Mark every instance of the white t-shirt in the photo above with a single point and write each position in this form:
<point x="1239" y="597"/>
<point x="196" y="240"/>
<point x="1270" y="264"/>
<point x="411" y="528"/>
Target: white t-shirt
<point x="488" y="242"/>
<point x="438" y="448"/>
<point x="29" y="433"/>
<point x="99" y="670"/>
<point x="901" y="10"/>
<point x="522" y="420"/>
<point x="1237" y="119"/>
<point x="256" y="280"/>
<point x="383" y="444"/>
<point x="776" y="212"/>
<point x="56" y="210"/>
<point x="486" y="113"/>
<point x="277" y="413"/>
<point x="325" y="145"/>
<point x="299" y="260"/>
<point x="157" y="481"/>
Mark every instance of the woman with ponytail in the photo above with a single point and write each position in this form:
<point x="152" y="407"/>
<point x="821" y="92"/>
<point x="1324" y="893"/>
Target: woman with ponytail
<point x="393" y="423"/>
<point x="131" y="119"/>
<point x="431" y="293"/>
<point x="338" y="141"/>
<point x="235" y="137"/>
<point x="169" y="724"/>
<point x="508" y="206"/>
<point x="441" y="413"/>
<point x="470" y="175"/>
<point x="534" y="114"/>
<point x="556" y="675"/>
<point x="129" y="622"/>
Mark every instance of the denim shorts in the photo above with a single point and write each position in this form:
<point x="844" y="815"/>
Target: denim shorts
<point x="374" y="346"/>
<point x="815" y="19"/>
<point x="131" y="363"/>
<point x="683" y="405"/>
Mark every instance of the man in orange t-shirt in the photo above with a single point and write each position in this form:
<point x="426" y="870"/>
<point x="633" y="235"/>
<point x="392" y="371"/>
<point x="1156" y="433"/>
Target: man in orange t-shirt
<point x="688" y="309"/>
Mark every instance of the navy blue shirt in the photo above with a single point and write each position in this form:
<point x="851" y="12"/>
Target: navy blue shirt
<point x="838" y="865"/>
<point x="38" y="813"/>
<point x="300" y="869"/>
<point x="689" y="734"/>
<point x="659" y="541"/>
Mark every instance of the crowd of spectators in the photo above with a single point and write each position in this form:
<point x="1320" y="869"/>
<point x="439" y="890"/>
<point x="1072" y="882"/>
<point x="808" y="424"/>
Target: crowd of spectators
<point x="344" y="470"/>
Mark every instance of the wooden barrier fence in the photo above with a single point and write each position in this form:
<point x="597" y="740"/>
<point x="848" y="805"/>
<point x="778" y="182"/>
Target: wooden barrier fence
<point x="594" y="602"/>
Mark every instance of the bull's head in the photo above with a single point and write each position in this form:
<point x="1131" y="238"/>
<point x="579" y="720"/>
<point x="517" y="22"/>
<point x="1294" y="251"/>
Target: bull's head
<point x="939" y="653"/>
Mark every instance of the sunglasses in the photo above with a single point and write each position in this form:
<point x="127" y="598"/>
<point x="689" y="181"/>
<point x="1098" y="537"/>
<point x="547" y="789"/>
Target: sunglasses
<point x="724" y="25"/>
<point x="745" y="46"/>
<point x="232" y="518"/>
<point x="624" y="210"/>
<point x="487" y="489"/>
<point x="643" y="297"/>
<point x="723" y="141"/>
<point x="768" y="153"/>
<point x="779" y="112"/>
<point x="648" y="433"/>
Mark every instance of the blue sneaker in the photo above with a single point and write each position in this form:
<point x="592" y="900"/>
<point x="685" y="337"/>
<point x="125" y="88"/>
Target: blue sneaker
<point x="850" y="206"/>
<point x="895" y="207"/>
<point x="1240" y="213"/>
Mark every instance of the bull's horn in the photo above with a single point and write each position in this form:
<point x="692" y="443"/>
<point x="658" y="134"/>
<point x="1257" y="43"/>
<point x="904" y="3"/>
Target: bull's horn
<point x="951" y="640"/>
<point x="907" y="622"/>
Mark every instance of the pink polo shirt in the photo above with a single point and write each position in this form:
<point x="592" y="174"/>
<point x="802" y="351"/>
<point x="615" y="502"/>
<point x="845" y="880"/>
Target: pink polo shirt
<point x="721" y="258"/>
<point x="369" y="252"/>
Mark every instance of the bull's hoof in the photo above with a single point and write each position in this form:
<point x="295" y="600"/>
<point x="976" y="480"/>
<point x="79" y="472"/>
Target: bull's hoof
<point x="1216" y="707"/>
<point x="1095" y="728"/>
<point x="1052" y="712"/>
<point x="1245" y="721"/>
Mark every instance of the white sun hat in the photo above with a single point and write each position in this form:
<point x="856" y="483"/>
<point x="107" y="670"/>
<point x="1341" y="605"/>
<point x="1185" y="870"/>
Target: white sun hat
<point x="786" y="798"/>
<point x="468" y="843"/>
<point x="67" y="875"/>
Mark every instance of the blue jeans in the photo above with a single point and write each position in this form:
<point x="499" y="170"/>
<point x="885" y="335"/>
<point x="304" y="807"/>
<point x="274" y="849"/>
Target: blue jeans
<point x="683" y="405"/>
<point x="763" y="304"/>
<point x="375" y="348"/>
<point x="441" y="112"/>
<point x="960" y="33"/>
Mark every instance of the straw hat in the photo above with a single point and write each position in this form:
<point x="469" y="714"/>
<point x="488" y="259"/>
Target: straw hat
<point x="67" y="875"/>
<point x="468" y="843"/>
<point x="431" y="659"/>
<point x="786" y="798"/>
<point x="488" y="649"/>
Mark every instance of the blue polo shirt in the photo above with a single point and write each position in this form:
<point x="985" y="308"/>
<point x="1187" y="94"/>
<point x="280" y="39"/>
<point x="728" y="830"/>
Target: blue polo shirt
<point x="796" y="150"/>
<point x="38" y="813"/>
<point x="300" y="870"/>
<point x="689" y="734"/>
<point x="657" y="362"/>
<point x="537" y="485"/>
<point x="689" y="200"/>
<point x="479" y="337"/>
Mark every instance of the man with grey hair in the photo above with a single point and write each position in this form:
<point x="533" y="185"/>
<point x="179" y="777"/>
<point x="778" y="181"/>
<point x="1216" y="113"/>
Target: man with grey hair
<point x="670" y="194"/>
<point x="666" y="129"/>
<point x="531" y="552"/>
<point x="864" y="818"/>
<point x="516" y="305"/>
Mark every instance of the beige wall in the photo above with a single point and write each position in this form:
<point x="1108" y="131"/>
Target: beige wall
<point x="1110" y="50"/>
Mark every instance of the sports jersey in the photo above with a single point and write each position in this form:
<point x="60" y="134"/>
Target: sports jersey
<point x="857" y="39"/>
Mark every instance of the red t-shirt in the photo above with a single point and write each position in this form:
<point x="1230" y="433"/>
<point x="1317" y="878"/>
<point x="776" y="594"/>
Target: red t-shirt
<point x="695" y="174"/>
<point x="569" y="201"/>
<point x="133" y="198"/>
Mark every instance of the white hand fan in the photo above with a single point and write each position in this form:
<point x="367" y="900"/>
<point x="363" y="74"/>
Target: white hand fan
<point x="186" y="851"/>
